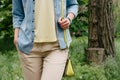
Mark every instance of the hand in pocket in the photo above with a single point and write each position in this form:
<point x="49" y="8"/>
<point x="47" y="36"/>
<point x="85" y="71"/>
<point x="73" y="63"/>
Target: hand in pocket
<point x="16" y="33"/>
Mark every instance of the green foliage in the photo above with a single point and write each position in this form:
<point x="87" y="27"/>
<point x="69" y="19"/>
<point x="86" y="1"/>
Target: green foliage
<point x="111" y="69"/>
<point x="116" y="9"/>
<point x="6" y="19"/>
<point x="79" y="26"/>
<point x="6" y="44"/>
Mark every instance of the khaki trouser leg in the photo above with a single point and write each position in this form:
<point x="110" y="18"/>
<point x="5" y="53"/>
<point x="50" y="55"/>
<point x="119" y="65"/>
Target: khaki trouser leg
<point x="31" y="66"/>
<point x="49" y="66"/>
<point x="53" y="66"/>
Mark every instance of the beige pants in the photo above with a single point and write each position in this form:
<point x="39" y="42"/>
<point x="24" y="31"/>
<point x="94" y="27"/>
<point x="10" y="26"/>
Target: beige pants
<point x="43" y="65"/>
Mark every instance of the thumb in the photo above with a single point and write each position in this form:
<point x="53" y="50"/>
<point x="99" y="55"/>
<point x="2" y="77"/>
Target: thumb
<point x="59" y="20"/>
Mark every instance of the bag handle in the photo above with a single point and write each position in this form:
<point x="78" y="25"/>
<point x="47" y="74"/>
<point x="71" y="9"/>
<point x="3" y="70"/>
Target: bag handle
<point x="65" y="31"/>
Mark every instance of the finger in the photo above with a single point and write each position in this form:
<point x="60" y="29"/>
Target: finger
<point x="66" y="27"/>
<point x="65" y="24"/>
<point x="63" y="21"/>
<point x="60" y="20"/>
<point x="66" y="20"/>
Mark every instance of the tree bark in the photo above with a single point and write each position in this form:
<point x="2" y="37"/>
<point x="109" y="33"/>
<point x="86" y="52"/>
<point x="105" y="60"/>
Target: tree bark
<point x="101" y="29"/>
<point x="94" y="55"/>
<point x="105" y="26"/>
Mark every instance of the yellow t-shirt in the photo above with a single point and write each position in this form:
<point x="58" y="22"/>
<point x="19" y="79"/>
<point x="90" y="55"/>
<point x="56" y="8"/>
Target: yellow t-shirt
<point x="45" y="30"/>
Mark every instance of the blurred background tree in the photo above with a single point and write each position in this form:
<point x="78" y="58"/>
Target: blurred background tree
<point x="101" y="31"/>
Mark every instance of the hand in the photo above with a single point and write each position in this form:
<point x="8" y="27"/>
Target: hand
<point x="16" y="32"/>
<point x="16" y="41"/>
<point x="64" y="23"/>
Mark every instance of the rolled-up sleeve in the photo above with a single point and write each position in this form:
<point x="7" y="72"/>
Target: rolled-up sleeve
<point x="17" y="13"/>
<point x="72" y="7"/>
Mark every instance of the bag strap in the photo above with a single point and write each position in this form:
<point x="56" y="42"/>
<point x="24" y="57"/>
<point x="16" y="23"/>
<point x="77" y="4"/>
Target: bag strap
<point x="65" y="31"/>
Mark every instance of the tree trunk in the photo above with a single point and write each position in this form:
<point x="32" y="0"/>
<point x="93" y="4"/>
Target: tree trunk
<point x="101" y="29"/>
<point x="94" y="55"/>
<point x="105" y="26"/>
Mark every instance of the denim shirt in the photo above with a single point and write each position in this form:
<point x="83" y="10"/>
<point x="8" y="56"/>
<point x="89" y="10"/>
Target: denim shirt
<point x="23" y="18"/>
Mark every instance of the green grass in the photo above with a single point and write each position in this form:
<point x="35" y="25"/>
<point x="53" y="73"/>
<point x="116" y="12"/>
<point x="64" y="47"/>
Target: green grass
<point x="10" y="66"/>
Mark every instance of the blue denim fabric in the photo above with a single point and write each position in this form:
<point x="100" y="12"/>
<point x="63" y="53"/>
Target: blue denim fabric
<point x="23" y="18"/>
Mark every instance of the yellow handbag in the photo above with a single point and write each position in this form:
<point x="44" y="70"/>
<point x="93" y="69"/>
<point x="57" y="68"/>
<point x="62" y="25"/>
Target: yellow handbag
<point x="68" y="68"/>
